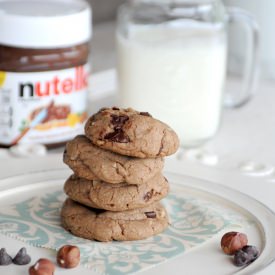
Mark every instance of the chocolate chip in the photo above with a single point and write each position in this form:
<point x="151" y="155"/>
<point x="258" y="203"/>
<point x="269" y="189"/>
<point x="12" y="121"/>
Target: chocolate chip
<point x="5" y="258"/>
<point x="252" y="252"/>
<point x="145" y="114"/>
<point x="115" y="109"/>
<point x="246" y="255"/>
<point x="117" y="136"/>
<point x="22" y="258"/>
<point x="148" y="195"/>
<point x="119" y="121"/>
<point x="151" y="214"/>
<point x="110" y="136"/>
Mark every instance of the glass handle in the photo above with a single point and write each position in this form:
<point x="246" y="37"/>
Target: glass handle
<point x="234" y="99"/>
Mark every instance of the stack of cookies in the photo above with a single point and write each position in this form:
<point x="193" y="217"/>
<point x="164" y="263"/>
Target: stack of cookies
<point x="117" y="183"/>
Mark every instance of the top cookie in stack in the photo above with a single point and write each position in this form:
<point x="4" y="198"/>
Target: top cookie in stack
<point x="117" y="167"/>
<point x="131" y="133"/>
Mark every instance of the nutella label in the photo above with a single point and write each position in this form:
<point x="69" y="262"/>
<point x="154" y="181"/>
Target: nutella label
<point x="43" y="107"/>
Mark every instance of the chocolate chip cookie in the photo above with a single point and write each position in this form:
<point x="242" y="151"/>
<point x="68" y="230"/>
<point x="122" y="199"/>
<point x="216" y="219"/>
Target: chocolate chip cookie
<point x="106" y="226"/>
<point x="91" y="162"/>
<point x="131" y="133"/>
<point x="116" y="197"/>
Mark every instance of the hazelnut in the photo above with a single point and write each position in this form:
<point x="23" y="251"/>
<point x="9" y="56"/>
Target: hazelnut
<point x="68" y="256"/>
<point x="232" y="242"/>
<point x="42" y="267"/>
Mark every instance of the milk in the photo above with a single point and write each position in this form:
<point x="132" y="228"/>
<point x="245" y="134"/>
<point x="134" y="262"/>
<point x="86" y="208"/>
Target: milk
<point x="177" y="74"/>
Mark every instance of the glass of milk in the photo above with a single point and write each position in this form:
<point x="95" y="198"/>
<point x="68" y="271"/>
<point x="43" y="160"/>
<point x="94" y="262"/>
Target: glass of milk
<point x="172" y="62"/>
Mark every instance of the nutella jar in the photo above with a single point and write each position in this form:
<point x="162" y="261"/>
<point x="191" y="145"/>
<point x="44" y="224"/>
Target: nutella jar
<point x="44" y="50"/>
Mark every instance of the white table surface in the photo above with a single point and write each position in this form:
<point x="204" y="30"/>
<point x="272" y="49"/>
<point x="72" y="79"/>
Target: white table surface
<point x="241" y="156"/>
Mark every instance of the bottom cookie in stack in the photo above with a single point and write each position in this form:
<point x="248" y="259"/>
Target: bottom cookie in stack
<point x="102" y="225"/>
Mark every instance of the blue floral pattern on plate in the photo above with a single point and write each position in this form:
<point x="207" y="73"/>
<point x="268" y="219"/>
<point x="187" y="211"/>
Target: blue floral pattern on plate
<point x="192" y="222"/>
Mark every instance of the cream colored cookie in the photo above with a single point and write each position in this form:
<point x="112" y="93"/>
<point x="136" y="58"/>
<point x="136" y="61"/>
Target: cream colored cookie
<point x="106" y="226"/>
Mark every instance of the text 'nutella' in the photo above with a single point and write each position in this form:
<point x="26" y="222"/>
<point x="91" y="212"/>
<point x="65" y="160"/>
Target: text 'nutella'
<point x="44" y="70"/>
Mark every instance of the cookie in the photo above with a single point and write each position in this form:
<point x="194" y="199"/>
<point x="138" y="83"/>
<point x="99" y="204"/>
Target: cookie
<point x="91" y="162"/>
<point x="106" y="226"/>
<point x="131" y="133"/>
<point x="116" y="197"/>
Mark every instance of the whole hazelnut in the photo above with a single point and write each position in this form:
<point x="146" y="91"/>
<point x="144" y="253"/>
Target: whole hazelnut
<point x="68" y="256"/>
<point x="232" y="242"/>
<point x="42" y="267"/>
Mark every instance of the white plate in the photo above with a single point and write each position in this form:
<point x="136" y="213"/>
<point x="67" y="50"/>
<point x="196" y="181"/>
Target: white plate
<point x="205" y="259"/>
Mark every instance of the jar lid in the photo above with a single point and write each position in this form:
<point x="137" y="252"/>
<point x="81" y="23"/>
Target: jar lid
<point x="44" y="23"/>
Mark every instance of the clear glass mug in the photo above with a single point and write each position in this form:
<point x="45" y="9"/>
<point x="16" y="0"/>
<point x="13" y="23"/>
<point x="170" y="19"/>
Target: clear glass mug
<point x="172" y="59"/>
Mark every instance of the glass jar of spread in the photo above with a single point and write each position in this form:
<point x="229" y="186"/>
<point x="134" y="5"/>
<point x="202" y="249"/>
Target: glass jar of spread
<point x="44" y="50"/>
